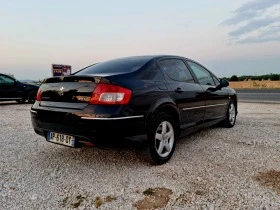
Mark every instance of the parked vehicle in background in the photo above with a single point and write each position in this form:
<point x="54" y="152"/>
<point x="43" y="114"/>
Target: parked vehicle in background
<point x="12" y="89"/>
<point x="162" y="97"/>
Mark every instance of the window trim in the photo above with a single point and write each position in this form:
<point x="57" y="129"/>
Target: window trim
<point x="167" y="78"/>
<point x="214" y="76"/>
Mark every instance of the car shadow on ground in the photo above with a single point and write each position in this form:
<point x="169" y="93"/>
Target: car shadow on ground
<point x="11" y="103"/>
<point x="117" y="152"/>
<point x="129" y="143"/>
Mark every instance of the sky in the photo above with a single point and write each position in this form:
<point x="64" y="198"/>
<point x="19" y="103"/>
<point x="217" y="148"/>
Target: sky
<point x="238" y="37"/>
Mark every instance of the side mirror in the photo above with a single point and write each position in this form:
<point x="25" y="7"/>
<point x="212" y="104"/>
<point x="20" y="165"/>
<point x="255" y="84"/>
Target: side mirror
<point x="224" y="83"/>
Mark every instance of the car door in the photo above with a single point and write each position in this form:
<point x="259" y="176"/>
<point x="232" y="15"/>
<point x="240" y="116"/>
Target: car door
<point x="216" y="98"/>
<point x="9" y="88"/>
<point x="188" y="94"/>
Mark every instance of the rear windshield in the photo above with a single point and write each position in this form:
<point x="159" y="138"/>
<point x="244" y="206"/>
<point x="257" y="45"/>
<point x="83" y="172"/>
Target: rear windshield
<point x="122" y="65"/>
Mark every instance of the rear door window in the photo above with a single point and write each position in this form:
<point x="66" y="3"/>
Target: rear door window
<point x="176" y="70"/>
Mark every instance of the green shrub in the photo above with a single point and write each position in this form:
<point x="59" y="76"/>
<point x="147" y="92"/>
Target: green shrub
<point x="234" y="78"/>
<point x="274" y="77"/>
<point x="265" y="77"/>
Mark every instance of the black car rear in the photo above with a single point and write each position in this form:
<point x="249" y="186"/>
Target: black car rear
<point x="89" y="105"/>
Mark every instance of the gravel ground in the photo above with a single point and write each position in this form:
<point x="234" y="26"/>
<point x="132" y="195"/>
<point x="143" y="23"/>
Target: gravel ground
<point x="212" y="169"/>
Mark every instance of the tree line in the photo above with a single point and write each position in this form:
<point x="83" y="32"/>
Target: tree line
<point x="272" y="77"/>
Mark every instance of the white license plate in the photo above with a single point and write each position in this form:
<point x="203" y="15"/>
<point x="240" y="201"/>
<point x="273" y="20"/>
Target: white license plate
<point x="61" y="139"/>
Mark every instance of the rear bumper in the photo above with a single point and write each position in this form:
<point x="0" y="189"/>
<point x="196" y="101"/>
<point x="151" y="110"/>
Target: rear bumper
<point x="90" y="129"/>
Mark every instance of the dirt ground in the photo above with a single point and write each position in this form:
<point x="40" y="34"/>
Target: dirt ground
<point x="215" y="168"/>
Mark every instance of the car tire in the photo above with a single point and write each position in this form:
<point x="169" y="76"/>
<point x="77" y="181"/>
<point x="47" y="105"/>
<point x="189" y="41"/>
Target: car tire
<point x="32" y="97"/>
<point x="162" y="136"/>
<point x="231" y="115"/>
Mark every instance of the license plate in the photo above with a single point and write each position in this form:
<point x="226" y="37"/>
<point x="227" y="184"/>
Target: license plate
<point x="63" y="139"/>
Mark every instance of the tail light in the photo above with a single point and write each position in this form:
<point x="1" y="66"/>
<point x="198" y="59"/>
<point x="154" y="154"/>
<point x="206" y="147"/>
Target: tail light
<point x="110" y="94"/>
<point x="38" y="96"/>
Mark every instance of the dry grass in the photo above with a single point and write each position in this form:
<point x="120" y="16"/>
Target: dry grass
<point x="110" y="198"/>
<point x="265" y="84"/>
<point x="148" y="192"/>
<point x="154" y="199"/>
<point x="98" y="202"/>
<point x="77" y="203"/>
<point x="269" y="179"/>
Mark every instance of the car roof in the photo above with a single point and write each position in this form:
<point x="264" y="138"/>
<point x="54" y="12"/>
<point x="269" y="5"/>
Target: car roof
<point x="150" y="57"/>
<point x="5" y="75"/>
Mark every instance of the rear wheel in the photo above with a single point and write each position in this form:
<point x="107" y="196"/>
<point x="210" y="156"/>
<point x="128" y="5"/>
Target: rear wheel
<point x="231" y="115"/>
<point x="21" y="101"/>
<point x="161" y="139"/>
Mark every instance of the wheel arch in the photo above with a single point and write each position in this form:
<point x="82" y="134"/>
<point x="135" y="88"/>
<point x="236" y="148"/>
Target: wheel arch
<point x="32" y="91"/>
<point x="233" y="97"/>
<point x="167" y="106"/>
<point x="26" y="93"/>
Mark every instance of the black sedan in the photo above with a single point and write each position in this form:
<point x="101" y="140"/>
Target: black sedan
<point x="11" y="89"/>
<point x="162" y="97"/>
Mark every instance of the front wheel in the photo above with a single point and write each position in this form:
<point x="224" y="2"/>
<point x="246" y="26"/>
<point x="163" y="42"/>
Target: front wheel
<point x="231" y="115"/>
<point x="161" y="138"/>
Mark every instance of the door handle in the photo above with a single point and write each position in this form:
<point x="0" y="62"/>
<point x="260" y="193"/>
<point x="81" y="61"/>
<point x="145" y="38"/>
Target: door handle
<point x="179" y="90"/>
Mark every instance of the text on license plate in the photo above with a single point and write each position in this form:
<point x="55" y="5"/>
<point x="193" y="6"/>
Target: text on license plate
<point x="61" y="139"/>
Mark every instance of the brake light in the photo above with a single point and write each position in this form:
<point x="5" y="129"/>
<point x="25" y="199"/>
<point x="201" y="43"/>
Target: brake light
<point x="39" y="95"/>
<point x="110" y="94"/>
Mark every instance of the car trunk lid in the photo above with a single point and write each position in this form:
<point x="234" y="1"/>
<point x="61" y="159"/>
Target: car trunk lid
<point x="72" y="92"/>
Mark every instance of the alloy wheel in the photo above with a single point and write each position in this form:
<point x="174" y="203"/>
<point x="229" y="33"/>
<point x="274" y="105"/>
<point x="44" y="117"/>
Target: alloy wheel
<point x="164" y="139"/>
<point x="232" y="114"/>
